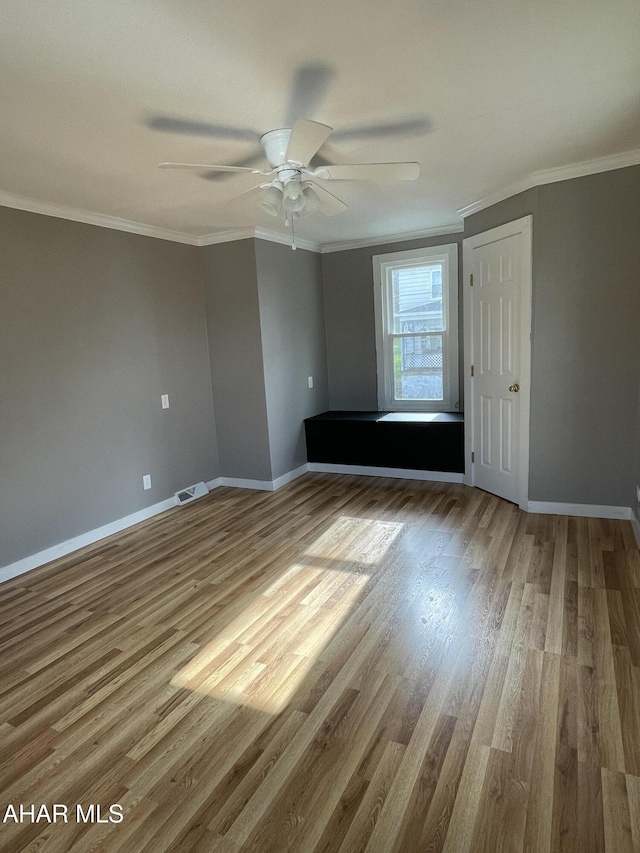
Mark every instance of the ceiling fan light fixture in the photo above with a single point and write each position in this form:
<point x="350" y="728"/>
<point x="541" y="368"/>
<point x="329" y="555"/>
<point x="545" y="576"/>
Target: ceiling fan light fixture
<point x="293" y="197"/>
<point x="271" y="201"/>
<point x="311" y="200"/>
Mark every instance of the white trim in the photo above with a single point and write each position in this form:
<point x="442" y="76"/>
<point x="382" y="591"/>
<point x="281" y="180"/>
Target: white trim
<point x="259" y="485"/>
<point x="92" y="536"/>
<point x="285" y="239"/>
<point x="635" y="526"/>
<point x="551" y="176"/>
<point x="496" y="196"/>
<point x="396" y="473"/>
<point x="225" y="236"/>
<point x="582" y="510"/>
<point x="447" y="255"/>
<point x="116" y="223"/>
<point x="258" y="233"/>
<point x="64" y="548"/>
<point x="587" y="167"/>
<point x="102" y="220"/>
<point x="519" y="226"/>
<point x="290" y="476"/>
<point x="240" y="483"/>
<point x="534" y="179"/>
<point x="362" y="243"/>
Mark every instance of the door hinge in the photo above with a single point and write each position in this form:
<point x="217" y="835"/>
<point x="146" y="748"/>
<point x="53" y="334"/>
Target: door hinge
<point x="472" y="370"/>
<point x="473" y="456"/>
<point x="471" y="279"/>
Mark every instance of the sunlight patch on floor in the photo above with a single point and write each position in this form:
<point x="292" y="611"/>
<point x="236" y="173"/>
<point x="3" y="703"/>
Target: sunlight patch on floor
<point x="362" y="540"/>
<point x="261" y="658"/>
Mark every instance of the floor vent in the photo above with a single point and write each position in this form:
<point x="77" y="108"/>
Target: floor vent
<point x="185" y="496"/>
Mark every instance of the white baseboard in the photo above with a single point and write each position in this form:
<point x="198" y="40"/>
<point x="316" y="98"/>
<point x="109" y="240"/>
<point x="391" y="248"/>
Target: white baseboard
<point x="260" y="485"/>
<point x="583" y="510"/>
<point x="290" y="476"/>
<point x="64" y="548"/>
<point x="397" y="473"/>
<point x="238" y="483"/>
<point x="92" y="536"/>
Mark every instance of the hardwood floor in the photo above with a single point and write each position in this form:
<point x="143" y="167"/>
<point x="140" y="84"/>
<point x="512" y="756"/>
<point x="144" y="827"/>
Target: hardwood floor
<point x="347" y="665"/>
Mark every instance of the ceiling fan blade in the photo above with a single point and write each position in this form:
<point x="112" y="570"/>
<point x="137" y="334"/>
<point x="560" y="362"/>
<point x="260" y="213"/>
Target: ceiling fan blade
<point x="212" y="168"/>
<point x="385" y="129"/>
<point x="369" y="172"/>
<point x="306" y="138"/>
<point x="173" y="124"/>
<point x="245" y="192"/>
<point x="319" y="160"/>
<point x="256" y="157"/>
<point x="328" y="203"/>
<point x="310" y="82"/>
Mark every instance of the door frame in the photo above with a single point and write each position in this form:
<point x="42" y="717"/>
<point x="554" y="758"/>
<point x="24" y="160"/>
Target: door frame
<point x="523" y="226"/>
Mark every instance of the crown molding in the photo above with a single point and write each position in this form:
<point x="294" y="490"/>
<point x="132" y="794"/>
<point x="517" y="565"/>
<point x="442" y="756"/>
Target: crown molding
<point x="587" y="167"/>
<point x="102" y="220"/>
<point x="343" y="245"/>
<point x="225" y="236"/>
<point x="495" y="197"/>
<point x="552" y="176"/>
<point x="257" y="233"/>
<point x="285" y="239"/>
<point x="534" y="179"/>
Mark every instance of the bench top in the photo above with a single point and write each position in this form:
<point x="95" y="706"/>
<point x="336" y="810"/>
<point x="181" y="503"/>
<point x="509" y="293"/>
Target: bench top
<point x="391" y="417"/>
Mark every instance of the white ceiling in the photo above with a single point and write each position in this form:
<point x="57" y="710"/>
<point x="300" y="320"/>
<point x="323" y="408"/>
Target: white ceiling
<point x="507" y="87"/>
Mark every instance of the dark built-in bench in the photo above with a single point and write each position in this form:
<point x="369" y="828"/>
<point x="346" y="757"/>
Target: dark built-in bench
<point x="412" y="440"/>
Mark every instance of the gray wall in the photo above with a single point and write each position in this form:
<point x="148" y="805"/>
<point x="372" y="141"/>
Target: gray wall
<point x="350" y="322"/>
<point x="636" y="484"/>
<point x="95" y="325"/>
<point x="293" y="347"/>
<point x="235" y="350"/>
<point x="586" y="340"/>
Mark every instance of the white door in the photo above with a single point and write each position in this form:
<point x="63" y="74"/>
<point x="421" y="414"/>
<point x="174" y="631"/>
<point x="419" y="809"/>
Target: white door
<point x="498" y="290"/>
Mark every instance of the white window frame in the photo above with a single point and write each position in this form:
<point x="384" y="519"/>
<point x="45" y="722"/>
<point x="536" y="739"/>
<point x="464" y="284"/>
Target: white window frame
<point x="382" y="267"/>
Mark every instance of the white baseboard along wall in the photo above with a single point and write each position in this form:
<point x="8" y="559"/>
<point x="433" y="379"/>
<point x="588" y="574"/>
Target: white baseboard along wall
<point x="90" y="537"/>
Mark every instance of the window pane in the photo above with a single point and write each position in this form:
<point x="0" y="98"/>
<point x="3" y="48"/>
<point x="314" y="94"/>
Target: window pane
<point x="417" y="299"/>
<point x="417" y="368"/>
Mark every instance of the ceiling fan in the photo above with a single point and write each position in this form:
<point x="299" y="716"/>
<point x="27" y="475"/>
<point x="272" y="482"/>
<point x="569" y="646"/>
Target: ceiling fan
<point x="309" y="85"/>
<point x="295" y="188"/>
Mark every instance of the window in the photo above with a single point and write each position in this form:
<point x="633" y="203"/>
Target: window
<point x="416" y="305"/>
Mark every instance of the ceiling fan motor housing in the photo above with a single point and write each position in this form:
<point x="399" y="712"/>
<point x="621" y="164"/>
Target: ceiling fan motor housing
<point x="275" y="144"/>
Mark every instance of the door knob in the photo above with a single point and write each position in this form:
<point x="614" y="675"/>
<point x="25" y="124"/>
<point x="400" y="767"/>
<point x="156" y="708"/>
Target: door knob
<point x="515" y="388"/>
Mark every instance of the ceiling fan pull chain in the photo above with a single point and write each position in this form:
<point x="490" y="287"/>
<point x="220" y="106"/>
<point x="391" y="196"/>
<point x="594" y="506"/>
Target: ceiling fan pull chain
<point x="293" y="236"/>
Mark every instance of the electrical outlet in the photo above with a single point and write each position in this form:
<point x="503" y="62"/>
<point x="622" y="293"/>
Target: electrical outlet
<point x="146" y="482"/>
<point x="310" y="380"/>
<point x="165" y="401"/>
